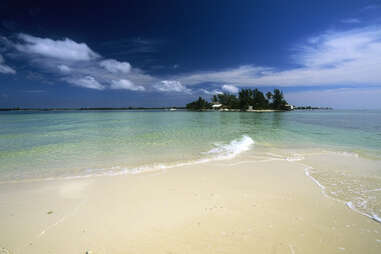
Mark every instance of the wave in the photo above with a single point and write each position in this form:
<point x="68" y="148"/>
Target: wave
<point x="219" y="152"/>
<point x="232" y="149"/>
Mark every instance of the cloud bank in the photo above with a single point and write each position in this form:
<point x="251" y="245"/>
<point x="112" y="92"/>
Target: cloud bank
<point x="348" y="57"/>
<point x="171" y="86"/>
<point x="77" y="64"/>
<point x="332" y="58"/>
<point x="230" y="88"/>
<point x="86" y="82"/>
<point x="65" y="49"/>
<point x="126" y="85"/>
<point x="115" y="66"/>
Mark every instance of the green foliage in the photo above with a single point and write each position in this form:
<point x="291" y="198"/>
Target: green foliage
<point x="259" y="100"/>
<point x="227" y="100"/>
<point x="199" y="104"/>
<point x="246" y="98"/>
<point x="269" y="96"/>
<point x="279" y="102"/>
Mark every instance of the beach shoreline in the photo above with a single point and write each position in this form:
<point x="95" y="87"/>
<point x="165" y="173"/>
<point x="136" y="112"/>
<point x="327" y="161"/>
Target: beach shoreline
<point x="241" y="205"/>
<point x="188" y="182"/>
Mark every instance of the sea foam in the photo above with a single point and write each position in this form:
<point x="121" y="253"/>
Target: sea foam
<point x="231" y="150"/>
<point x="350" y="204"/>
<point x="219" y="152"/>
<point x="373" y="216"/>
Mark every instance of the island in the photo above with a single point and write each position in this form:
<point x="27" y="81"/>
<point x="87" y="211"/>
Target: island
<point x="251" y="100"/>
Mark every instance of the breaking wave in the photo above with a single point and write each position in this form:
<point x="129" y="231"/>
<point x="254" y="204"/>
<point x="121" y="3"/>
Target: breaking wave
<point x="219" y="152"/>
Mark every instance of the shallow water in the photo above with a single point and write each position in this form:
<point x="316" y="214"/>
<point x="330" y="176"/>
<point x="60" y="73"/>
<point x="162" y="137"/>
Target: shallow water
<point x="45" y="144"/>
<point x="341" y="149"/>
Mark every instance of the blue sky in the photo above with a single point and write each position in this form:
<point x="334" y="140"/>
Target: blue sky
<point x="167" y="53"/>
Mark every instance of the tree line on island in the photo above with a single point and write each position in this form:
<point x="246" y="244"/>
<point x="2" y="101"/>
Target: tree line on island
<point x="247" y="98"/>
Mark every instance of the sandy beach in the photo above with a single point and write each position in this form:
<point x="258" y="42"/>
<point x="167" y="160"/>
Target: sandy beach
<point x="234" y="206"/>
<point x="190" y="127"/>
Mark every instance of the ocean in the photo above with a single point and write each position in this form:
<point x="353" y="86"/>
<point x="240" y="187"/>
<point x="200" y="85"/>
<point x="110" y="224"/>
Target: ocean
<point x="341" y="149"/>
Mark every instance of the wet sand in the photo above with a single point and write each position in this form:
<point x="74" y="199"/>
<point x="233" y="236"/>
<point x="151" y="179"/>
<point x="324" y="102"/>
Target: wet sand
<point x="235" y="206"/>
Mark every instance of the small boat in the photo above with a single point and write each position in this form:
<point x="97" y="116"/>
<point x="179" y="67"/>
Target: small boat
<point x="172" y="109"/>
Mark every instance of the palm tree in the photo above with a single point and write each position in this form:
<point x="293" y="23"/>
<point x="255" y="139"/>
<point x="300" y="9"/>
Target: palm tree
<point x="245" y="98"/>
<point x="278" y="100"/>
<point x="199" y="104"/>
<point x="269" y="95"/>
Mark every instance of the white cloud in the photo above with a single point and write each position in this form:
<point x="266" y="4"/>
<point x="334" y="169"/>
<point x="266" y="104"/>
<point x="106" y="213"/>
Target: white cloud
<point x="240" y="75"/>
<point x="5" y="68"/>
<point x="64" y="68"/>
<point x="171" y="86"/>
<point x="338" y="49"/>
<point x="351" y="57"/>
<point x="348" y="57"/>
<point x="126" y="85"/>
<point x="65" y="49"/>
<point x="230" y="88"/>
<point x="212" y="92"/>
<point x="86" y="82"/>
<point x="77" y="64"/>
<point x="115" y="66"/>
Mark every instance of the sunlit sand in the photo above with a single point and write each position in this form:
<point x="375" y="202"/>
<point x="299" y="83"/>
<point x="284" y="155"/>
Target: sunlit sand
<point x="243" y="205"/>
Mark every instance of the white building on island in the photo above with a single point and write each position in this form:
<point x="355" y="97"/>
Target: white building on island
<point x="216" y="106"/>
<point x="290" y="107"/>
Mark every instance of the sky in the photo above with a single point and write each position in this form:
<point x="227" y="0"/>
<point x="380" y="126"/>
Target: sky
<point x="167" y="53"/>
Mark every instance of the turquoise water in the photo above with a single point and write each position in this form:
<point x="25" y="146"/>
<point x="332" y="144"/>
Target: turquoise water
<point x="69" y="143"/>
<point x="340" y="150"/>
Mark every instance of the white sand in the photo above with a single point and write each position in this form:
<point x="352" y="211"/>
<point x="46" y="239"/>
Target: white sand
<point x="235" y="206"/>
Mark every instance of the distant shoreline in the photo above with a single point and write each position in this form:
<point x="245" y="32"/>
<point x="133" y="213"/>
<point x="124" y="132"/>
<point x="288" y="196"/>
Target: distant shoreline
<point x="87" y="109"/>
<point x="160" y="108"/>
